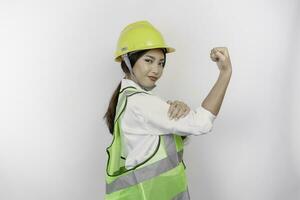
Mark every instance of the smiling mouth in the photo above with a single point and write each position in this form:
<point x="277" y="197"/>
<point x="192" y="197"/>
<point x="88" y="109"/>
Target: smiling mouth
<point x="152" y="78"/>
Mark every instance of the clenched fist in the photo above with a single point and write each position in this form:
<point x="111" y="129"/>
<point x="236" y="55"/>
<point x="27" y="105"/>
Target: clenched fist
<point x="220" y="55"/>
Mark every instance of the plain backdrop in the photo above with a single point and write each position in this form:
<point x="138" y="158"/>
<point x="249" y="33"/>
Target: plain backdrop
<point x="58" y="74"/>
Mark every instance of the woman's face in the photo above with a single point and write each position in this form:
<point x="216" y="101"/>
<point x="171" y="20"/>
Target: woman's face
<point x="149" y="65"/>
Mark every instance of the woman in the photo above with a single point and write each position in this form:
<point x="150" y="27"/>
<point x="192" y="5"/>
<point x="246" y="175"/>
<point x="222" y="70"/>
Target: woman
<point x="145" y="156"/>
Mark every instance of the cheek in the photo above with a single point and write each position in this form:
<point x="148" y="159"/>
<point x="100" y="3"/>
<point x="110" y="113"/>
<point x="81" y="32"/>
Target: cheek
<point x="145" y="68"/>
<point x="141" y="69"/>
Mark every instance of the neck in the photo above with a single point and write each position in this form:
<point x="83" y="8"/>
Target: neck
<point x="133" y="78"/>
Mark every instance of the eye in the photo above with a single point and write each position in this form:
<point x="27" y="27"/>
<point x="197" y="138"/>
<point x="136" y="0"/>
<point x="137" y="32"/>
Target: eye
<point x="162" y="64"/>
<point x="148" y="60"/>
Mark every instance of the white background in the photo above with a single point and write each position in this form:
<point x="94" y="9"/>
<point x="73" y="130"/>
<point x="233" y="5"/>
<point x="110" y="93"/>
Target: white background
<point x="58" y="74"/>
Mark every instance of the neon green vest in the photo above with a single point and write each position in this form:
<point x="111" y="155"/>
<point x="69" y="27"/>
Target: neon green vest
<point x="160" y="177"/>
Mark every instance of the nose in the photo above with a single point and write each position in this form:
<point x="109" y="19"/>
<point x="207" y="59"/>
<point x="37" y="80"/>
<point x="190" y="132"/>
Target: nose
<point x="155" y="68"/>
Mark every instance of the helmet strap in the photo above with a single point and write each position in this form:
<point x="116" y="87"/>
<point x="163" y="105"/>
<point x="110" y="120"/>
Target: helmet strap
<point x="127" y="61"/>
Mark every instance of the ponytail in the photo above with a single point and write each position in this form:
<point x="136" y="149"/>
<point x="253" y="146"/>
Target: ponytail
<point x="111" y="111"/>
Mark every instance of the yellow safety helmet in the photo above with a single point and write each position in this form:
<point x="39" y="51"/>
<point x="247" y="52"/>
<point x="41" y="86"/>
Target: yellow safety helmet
<point x="139" y="35"/>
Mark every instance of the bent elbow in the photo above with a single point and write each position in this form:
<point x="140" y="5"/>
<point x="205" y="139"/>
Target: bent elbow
<point x="209" y="128"/>
<point x="205" y="128"/>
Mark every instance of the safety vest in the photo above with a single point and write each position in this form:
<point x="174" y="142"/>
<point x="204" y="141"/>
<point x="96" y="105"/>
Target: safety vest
<point x="160" y="177"/>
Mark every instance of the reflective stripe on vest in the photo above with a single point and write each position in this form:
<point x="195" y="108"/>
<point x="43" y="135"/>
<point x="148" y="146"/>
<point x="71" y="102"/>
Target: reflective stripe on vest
<point x="182" y="196"/>
<point x="149" y="171"/>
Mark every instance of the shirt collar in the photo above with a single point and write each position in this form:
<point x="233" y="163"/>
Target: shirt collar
<point x="127" y="82"/>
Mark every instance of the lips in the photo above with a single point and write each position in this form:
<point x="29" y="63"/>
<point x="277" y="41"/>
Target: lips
<point x="152" y="78"/>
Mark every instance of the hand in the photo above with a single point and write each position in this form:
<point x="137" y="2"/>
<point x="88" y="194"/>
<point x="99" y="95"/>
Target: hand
<point x="221" y="56"/>
<point x="177" y="109"/>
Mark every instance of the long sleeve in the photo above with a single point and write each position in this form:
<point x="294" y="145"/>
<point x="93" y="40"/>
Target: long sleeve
<point x="148" y="114"/>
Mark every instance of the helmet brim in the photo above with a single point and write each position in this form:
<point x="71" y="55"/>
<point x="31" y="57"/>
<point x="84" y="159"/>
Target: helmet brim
<point x="169" y="50"/>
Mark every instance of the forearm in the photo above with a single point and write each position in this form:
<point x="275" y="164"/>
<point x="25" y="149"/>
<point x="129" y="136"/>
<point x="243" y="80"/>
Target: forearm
<point x="214" y="99"/>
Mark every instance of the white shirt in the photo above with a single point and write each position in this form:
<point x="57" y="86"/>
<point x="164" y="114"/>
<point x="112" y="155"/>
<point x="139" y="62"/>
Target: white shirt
<point x="146" y="117"/>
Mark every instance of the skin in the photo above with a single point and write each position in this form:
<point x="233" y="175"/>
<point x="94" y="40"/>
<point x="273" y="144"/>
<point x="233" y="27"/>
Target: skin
<point x="151" y="64"/>
<point x="213" y="101"/>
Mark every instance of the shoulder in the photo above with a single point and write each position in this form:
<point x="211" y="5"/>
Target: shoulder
<point x="144" y="100"/>
<point x="147" y="107"/>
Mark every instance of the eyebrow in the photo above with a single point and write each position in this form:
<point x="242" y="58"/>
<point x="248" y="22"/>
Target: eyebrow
<point x="154" y="57"/>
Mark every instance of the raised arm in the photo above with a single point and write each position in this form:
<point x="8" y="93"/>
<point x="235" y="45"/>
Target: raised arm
<point x="214" y="99"/>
